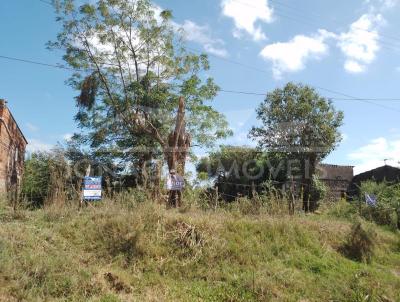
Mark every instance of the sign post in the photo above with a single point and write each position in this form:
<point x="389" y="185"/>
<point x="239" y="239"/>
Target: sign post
<point x="92" y="190"/>
<point x="175" y="186"/>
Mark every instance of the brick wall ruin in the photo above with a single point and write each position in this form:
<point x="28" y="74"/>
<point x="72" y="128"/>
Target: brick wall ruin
<point x="12" y="152"/>
<point x="336" y="178"/>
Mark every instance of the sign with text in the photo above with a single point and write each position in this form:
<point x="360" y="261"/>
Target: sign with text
<point x="175" y="183"/>
<point x="92" y="188"/>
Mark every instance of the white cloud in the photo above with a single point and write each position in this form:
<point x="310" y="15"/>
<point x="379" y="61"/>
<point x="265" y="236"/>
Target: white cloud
<point x="67" y="137"/>
<point x="353" y="66"/>
<point x="387" y="4"/>
<point x="292" y="56"/>
<point x="32" y="127"/>
<point x="202" y="35"/>
<point x="374" y="153"/>
<point x="381" y="5"/>
<point x="35" y="145"/>
<point x="245" y="14"/>
<point x="361" y="43"/>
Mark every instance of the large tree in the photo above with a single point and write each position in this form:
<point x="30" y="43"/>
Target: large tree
<point x="301" y="124"/>
<point x="136" y="80"/>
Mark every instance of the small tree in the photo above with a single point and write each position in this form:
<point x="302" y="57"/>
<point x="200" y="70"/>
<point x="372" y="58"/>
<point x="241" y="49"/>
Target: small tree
<point x="301" y="124"/>
<point x="46" y="178"/>
<point x="36" y="179"/>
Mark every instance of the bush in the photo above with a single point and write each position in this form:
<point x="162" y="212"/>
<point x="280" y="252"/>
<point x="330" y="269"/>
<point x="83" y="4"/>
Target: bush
<point x="360" y="243"/>
<point x="342" y="209"/>
<point x="318" y="190"/>
<point x="119" y="237"/>
<point x="381" y="215"/>
<point x="36" y="179"/>
<point x="388" y="203"/>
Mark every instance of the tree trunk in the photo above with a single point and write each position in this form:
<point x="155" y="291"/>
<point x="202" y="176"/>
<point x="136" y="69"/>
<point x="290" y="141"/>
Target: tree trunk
<point x="177" y="150"/>
<point x="309" y="167"/>
<point x="178" y="142"/>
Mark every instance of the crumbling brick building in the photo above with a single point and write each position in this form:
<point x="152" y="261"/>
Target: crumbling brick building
<point x="336" y="178"/>
<point x="12" y="152"/>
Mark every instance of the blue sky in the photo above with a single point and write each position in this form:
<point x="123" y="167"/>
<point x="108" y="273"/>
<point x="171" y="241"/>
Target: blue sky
<point x="351" y="47"/>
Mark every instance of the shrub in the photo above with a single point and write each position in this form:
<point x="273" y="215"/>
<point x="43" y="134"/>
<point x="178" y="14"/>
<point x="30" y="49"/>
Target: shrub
<point x="342" y="209"/>
<point x="318" y="190"/>
<point x="115" y="237"/>
<point x="360" y="243"/>
<point x="388" y="203"/>
<point x="35" y="184"/>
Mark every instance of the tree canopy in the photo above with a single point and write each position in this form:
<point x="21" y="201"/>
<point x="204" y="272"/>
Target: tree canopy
<point x="131" y="68"/>
<point x="299" y="123"/>
<point x="297" y="120"/>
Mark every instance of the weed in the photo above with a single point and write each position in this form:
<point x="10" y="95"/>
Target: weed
<point x="360" y="243"/>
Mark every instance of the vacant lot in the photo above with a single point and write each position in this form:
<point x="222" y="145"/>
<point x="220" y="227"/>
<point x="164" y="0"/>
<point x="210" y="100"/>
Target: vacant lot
<point x="142" y="252"/>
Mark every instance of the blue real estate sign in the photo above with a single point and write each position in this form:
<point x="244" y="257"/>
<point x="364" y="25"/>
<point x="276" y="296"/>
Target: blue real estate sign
<point x="92" y="188"/>
<point x="371" y="200"/>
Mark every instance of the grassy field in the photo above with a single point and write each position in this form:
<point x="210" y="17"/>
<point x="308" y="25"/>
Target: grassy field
<point x="143" y="252"/>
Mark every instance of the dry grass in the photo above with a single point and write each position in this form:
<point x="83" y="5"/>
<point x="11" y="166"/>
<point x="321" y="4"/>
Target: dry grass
<point x="143" y="252"/>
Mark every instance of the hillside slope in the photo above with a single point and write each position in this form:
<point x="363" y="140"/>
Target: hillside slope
<point x="146" y="253"/>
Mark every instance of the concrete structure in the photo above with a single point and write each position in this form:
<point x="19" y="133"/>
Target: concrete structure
<point x="12" y="152"/>
<point x="336" y="178"/>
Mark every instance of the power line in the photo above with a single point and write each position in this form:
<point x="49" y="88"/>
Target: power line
<point x="38" y="63"/>
<point x="332" y="98"/>
<point x="318" y="87"/>
<point x="47" y="2"/>
<point x="386" y="44"/>
<point x="347" y="97"/>
<point x="255" y="68"/>
<point x="296" y="9"/>
<point x="305" y="20"/>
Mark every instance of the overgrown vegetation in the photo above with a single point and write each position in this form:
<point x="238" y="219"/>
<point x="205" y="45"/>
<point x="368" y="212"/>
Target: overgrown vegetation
<point x="130" y="248"/>
<point x="387" y="209"/>
<point x="360" y="243"/>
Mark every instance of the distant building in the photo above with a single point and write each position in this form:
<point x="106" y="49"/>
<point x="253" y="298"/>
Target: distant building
<point x="12" y="152"/>
<point x="385" y="173"/>
<point x="336" y="178"/>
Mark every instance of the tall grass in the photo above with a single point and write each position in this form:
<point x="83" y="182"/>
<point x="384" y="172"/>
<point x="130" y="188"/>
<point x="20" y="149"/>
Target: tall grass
<point x="131" y="248"/>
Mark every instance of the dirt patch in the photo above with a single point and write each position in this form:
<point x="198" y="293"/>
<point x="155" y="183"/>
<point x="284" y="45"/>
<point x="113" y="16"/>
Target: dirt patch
<point x="116" y="284"/>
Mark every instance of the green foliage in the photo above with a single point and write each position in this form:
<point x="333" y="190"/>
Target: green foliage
<point x="235" y="169"/>
<point x="296" y="119"/>
<point x="48" y="179"/>
<point x="199" y="255"/>
<point x="117" y="239"/>
<point x="302" y="125"/>
<point x="318" y="190"/>
<point x="131" y="68"/>
<point x="360" y="243"/>
<point x="36" y="180"/>
<point x="387" y="210"/>
<point x="343" y="210"/>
